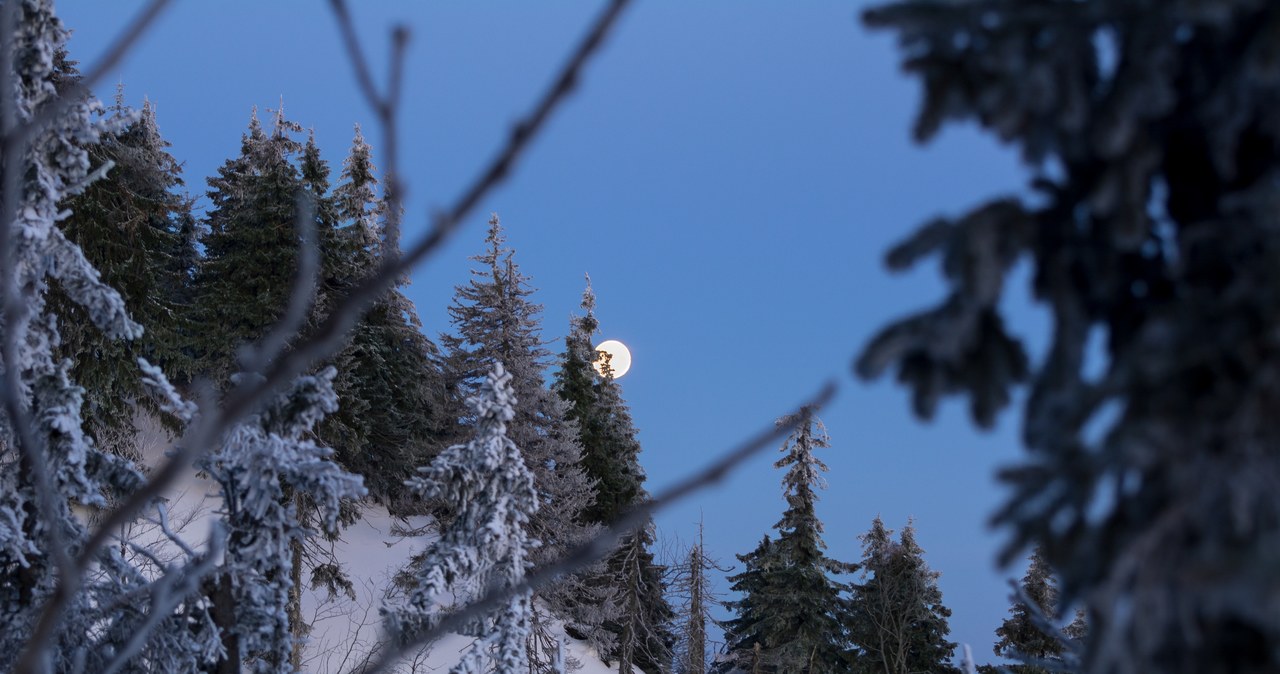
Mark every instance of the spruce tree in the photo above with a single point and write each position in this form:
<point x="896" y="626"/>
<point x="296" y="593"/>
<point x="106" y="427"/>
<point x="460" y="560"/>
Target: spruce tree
<point x="746" y="632"/>
<point x="610" y="450"/>
<point x="895" y="617"/>
<point x="497" y="323"/>
<point x="1019" y="636"/>
<point x="1149" y="129"/>
<point x="793" y="608"/>
<point x="393" y="412"/>
<point x="1023" y="636"/>
<point x="486" y="546"/>
<point x="247" y="274"/>
<point x="611" y="457"/>
<point x="129" y="224"/>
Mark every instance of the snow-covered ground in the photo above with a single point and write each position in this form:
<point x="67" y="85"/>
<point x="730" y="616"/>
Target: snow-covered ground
<point x="344" y="630"/>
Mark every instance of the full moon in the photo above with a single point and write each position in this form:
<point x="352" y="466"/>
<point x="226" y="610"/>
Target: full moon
<point x="619" y="357"/>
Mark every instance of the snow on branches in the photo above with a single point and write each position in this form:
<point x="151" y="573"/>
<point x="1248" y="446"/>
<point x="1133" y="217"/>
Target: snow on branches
<point x="486" y="545"/>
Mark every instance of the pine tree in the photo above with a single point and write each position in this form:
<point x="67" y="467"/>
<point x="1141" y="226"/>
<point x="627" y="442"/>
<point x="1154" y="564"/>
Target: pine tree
<point x="245" y="279"/>
<point x="496" y="322"/>
<point x="129" y="226"/>
<point x="895" y="618"/>
<point x="799" y="608"/>
<point x="393" y="413"/>
<point x="1019" y="635"/>
<point x="1149" y="130"/>
<point x="486" y="546"/>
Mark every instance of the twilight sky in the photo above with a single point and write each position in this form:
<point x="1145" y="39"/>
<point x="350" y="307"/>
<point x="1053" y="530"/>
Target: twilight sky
<point x="730" y="175"/>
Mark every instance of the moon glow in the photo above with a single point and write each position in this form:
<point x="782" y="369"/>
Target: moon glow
<point x="619" y="357"/>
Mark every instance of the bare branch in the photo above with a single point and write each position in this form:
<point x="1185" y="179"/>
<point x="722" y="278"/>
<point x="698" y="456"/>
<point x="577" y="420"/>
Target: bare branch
<point x="597" y="548"/>
<point x="364" y="77"/>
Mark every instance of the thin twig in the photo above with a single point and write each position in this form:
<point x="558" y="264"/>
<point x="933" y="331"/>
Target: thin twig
<point x="601" y="545"/>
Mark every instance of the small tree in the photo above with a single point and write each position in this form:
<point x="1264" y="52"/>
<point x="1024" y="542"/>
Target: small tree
<point x="1021" y="636"/>
<point x="696" y="591"/>
<point x="895" y="617"/>
<point x="486" y="545"/>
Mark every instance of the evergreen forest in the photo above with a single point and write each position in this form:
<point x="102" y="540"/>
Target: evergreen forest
<point x="251" y="332"/>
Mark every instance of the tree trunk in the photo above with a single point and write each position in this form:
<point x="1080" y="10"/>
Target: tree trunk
<point x="223" y="612"/>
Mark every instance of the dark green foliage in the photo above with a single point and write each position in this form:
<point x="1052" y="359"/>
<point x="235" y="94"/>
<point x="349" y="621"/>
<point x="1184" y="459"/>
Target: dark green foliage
<point x="1020" y="637"/>
<point x="611" y="458"/>
<point x="895" y="617"/>
<point x="747" y="633"/>
<point x="610" y="451"/>
<point x="391" y="405"/>
<point x="137" y="231"/>
<point x="1152" y="133"/>
<point x="790" y="605"/>
<point x="244" y="281"/>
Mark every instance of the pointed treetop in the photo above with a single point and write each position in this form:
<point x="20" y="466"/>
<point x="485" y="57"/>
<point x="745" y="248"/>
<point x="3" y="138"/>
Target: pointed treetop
<point x="278" y="129"/>
<point x="255" y="126"/>
<point x="495" y="238"/>
<point x="588" y="297"/>
<point x="118" y="106"/>
<point x="281" y="127"/>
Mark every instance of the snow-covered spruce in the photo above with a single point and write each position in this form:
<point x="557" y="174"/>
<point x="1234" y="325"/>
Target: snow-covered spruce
<point x="262" y="465"/>
<point x="486" y="546"/>
<point x="119" y="599"/>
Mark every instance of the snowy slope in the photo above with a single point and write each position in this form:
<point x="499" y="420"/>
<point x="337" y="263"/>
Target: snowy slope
<point x="345" y="630"/>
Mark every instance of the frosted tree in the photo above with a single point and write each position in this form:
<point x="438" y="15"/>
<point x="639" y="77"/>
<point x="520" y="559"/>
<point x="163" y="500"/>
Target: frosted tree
<point x="128" y="226"/>
<point x="117" y="613"/>
<point x="895" y="617"/>
<point x="393" y="413"/>
<point x="792" y="610"/>
<point x="1022" y="635"/>
<point x="262" y="464"/>
<point x="486" y="545"/>
<point x="695" y="590"/>
<point x="496" y="322"/>
<point x="1150" y="476"/>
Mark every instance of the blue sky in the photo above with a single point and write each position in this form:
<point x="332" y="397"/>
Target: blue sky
<point x="730" y="175"/>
